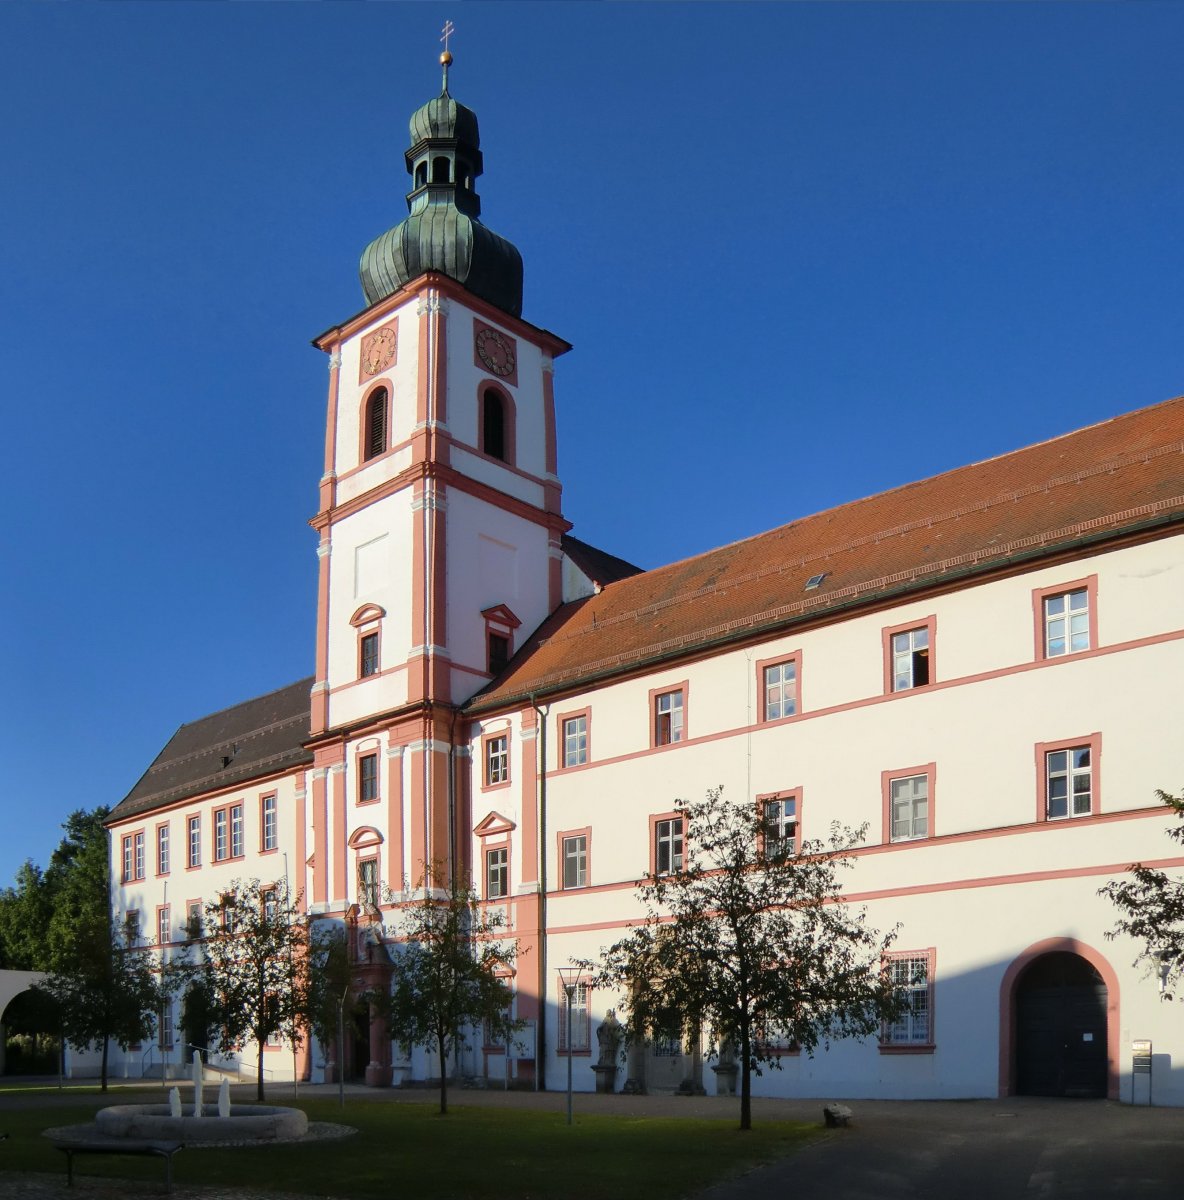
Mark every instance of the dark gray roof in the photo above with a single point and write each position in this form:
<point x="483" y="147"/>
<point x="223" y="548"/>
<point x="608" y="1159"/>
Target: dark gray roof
<point x="443" y="117"/>
<point x="442" y="231"/>
<point x="255" y="738"/>
<point x="601" y="567"/>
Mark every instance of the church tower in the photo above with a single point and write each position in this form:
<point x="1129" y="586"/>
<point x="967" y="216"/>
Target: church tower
<point x="439" y="521"/>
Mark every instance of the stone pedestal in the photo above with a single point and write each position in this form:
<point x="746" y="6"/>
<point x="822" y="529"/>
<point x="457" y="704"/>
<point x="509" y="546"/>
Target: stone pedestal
<point x="725" y="1079"/>
<point x="606" y="1078"/>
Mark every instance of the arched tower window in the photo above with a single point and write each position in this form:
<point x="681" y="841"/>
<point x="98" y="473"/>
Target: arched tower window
<point x="493" y="424"/>
<point x="376" y="424"/>
<point x="421" y="174"/>
<point x="440" y="170"/>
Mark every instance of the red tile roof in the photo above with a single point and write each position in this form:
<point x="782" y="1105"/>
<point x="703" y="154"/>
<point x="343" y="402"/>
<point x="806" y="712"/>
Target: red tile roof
<point x="1108" y="480"/>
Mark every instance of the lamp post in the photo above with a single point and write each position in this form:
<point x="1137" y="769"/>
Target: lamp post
<point x="569" y="978"/>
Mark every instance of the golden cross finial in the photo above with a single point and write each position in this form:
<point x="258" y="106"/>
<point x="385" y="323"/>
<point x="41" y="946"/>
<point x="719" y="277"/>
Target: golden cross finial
<point x="446" y="58"/>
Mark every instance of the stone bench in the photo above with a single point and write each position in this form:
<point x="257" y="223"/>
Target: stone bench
<point x="164" y="1150"/>
<point x="836" y="1115"/>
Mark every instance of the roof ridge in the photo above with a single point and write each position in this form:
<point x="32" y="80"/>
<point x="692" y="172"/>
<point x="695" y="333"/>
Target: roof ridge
<point x="309" y="679"/>
<point x="1108" y="465"/>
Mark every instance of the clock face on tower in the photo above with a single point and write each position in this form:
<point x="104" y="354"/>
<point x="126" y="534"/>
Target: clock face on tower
<point x="496" y="352"/>
<point x="378" y="351"/>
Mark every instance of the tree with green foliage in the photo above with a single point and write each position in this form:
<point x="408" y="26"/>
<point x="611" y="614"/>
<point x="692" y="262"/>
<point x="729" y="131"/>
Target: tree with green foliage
<point x="448" y="973"/>
<point x="1151" y="904"/>
<point x="252" y="960"/>
<point x="746" y="933"/>
<point x="25" y="911"/>
<point x="331" y="984"/>
<point x="102" y="978"/>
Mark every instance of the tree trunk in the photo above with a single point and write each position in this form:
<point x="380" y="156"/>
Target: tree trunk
<point x="443" y="1078"/>
<point x="259" y="1071"/>
<point x="103" y="1069"/>
<point x="745" y="1080"/>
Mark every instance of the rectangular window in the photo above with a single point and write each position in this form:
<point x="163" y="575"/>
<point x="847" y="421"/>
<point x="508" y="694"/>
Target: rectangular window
<point x="220" y="839"/>
<point x="910" y="659"/>
<point x="131" y="927"/>
<point x="367" y="778"/>
<point x="139" y="855"/>
<point x="499" y="653"/>
<point x="910" y="973"/>
<point x="128" y="860"/>
<point x="164" y="928"/>
<point x="497" y="760"/>
<point x="779" y="815"/>
<point x="194" y="832"/>
<point x="774" y="1038"/>
<point x="908" y="655"/>
<point x="270" y="903"/>
<point x="779" y="683"/>
<point x="269" y="824"/>
<point x="497" y="873"/>
<point x="1066" y="622"/>
<point x="581" y="1031"/>
<point x="1066" y="618"/>
<point x="909" y="799"/>
<point x="575" y="740"/>
<point x="236" y="831"/>
<point x="368" y="651"/>
<point x="667" y="845"/>
<point x="166" y="1027"/>
<point x="368" y="882"/>
<point x="162" y="850"/>
<point x="668" y="717"/>
<point x="193" y="920"/>
<point x="1068" y="782"/>
<point x="575" y="861"/>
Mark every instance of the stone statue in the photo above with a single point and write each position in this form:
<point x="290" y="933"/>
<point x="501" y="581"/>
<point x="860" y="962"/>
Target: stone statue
<point x="224" y="1097"/>
<point x="608" y="1035"/>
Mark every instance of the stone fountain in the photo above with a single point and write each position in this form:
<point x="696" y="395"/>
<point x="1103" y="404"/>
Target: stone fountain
<point x="208" y="1123"/>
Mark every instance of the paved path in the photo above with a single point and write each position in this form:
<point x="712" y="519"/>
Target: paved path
<point x="1020" y="1149"/>
<point x="1023" y="1149"/>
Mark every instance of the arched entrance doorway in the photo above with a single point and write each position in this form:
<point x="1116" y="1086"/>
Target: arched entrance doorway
<point x="1059" y="1023"/>
<point x="1060" y="1028"/>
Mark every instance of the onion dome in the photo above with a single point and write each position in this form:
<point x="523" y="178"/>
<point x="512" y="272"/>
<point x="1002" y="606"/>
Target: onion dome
<point x="442" y="231"/>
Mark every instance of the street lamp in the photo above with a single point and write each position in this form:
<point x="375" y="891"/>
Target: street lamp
<point x="569" y="978"/>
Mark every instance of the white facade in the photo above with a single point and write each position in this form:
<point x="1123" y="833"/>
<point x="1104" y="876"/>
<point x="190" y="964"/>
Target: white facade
<point x="991" y="878"/>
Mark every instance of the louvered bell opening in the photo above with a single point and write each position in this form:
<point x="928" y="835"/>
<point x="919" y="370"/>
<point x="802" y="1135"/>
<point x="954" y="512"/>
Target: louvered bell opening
<point x="376" y="424"/>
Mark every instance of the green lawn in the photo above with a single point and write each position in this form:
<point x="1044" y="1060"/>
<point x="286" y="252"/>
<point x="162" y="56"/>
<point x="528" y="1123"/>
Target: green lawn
<point x="472" y="1153"/>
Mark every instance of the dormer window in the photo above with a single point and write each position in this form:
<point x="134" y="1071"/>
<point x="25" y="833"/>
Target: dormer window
<point x="375" y="425"/>
<point x="500" y="624"/>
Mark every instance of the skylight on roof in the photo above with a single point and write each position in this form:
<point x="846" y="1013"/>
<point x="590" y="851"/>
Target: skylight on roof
<point x="814" y="581"/>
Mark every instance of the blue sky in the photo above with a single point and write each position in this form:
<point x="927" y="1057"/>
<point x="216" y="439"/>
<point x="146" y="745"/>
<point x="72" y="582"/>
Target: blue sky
<point x="804" y="252"/>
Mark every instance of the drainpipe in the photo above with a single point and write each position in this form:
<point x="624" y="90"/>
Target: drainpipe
<point x="453" y="845"/>
<point x="541" y="1033"/>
